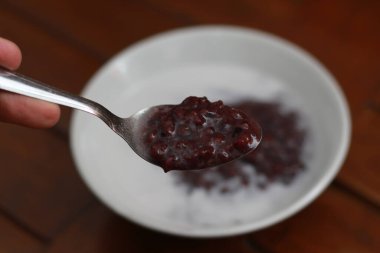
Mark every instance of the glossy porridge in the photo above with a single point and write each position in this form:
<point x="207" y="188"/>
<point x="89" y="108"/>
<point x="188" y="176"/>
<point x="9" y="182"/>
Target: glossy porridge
<point x="279" y="157"/>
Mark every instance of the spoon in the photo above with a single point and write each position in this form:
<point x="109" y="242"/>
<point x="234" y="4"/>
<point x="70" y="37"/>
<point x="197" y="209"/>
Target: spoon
<point x="132" y="129"/>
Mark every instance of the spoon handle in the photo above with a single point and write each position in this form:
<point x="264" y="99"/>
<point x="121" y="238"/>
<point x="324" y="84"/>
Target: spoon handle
<point x="17" y="83"/>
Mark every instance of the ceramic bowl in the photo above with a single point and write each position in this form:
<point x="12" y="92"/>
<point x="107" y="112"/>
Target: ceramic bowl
<point x="220" y="62"/>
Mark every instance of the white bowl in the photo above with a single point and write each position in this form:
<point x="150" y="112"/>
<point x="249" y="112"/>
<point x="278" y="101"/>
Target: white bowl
<point x="220" y="62"/>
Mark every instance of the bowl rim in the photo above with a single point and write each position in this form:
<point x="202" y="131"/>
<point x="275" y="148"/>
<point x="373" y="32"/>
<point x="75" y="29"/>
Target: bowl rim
<point x="306" y="58"/>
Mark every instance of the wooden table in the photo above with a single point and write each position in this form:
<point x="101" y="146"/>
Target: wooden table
<point x="44" y="205"/>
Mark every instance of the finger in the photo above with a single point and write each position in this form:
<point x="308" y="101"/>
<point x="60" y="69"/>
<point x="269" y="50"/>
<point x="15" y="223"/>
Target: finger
<point x="27" y="111"/>
<point x="10" y="54"/>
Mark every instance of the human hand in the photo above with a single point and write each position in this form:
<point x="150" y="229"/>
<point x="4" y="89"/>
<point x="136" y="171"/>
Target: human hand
<point x="19" y="109"/>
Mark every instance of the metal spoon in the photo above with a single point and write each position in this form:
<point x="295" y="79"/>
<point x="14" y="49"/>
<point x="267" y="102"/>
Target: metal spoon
<point x="127" y="128"/>
<point x="130" y="129"/>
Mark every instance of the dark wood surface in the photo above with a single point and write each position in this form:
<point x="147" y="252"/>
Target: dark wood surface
<point x="44" y="205"/>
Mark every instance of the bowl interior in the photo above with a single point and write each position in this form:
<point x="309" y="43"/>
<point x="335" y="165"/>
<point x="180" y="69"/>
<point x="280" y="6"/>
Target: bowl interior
<point x="219" y="62"/>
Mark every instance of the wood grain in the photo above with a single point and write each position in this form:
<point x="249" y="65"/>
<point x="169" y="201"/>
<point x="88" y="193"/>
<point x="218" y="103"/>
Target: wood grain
<point x="364" y="158"/>
<point x="15" y="240"/>
<point x="334" y="223"/>
<point x="103" y="29"/>
<point x="39" y="184"/>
